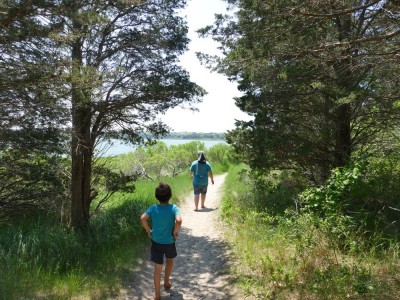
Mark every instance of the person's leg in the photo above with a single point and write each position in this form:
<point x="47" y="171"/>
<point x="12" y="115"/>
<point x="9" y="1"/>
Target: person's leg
<point x="203" y="199"/>
<point x="196" y="197"/>
<point x="168" y="270"/>
<point x="196" y="202"/>
<point x="170" y="254"/>
<point x="203" y="192"/>
<point x="157" y="280"/>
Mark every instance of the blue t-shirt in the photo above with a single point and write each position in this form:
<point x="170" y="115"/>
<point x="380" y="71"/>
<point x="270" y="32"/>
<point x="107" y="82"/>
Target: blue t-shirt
<point x="163" y="219"/>
<point x="200" y="173"/>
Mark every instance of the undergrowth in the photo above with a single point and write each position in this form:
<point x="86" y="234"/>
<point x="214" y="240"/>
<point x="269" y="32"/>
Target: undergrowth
<point x="41" y="259"/>
<point x="295" y="255"/>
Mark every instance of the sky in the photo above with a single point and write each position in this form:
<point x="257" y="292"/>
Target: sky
<point x="217" y="112"/>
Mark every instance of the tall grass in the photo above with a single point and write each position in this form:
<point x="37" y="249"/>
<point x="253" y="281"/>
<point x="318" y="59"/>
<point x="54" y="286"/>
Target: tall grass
<point x="41" y="259"/>
<point x="283" y="257"/>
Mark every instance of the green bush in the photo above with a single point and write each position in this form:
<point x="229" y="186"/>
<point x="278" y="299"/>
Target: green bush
<point x="298" y="255"/>
<point x="274" y="193"/>
<point x="31" y="183"/>
<point x="219" y="153"/>
<point x="360" y="202"/>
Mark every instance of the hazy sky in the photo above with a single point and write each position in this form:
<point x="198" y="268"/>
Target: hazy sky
<point x="217" y="112"/>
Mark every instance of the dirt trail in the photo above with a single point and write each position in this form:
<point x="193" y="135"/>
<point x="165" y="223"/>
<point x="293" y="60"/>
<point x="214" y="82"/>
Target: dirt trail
<point x="201" y="269"/>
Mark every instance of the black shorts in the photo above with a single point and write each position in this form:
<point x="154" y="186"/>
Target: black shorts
<point x="200" y="189"/>
<point x="159" y="250"/>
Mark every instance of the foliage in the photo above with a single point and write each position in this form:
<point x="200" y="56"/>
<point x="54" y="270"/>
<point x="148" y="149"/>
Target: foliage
<point x="107" y="182"/>
<point x="294" y="256"/>
<point x="159" y="160"/>
<point x="105" y="70"/>
<point x="31" y="182"/>
<point x="150" y="160"/>
<point x="273" y="194"/>
<point x="153" y="162"/>
<point x="43" y="248"/>
<point x="42" y="259"/>
<point x="181" y="156"/>
<point x="31" y="89"/>
<point x="359" y="202"/>
<point x="220" y="153"/>
<point x="319" y="79"/>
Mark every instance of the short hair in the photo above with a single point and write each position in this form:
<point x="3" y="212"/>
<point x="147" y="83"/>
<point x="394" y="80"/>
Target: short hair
<point x="163" y="192"/>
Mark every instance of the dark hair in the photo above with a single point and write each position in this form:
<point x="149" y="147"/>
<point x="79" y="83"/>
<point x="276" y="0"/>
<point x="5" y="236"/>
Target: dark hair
<point x="163" y="192"/>
<point x="202" y="157"/>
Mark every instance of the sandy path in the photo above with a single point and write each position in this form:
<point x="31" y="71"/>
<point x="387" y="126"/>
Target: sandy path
<point x="201" y="269"/>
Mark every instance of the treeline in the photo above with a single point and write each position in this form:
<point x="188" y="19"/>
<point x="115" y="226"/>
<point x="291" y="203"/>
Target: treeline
<point x="196" y="136"/>
<point x="318" y="201"/>
<point x="321" y="82"/>
<point x="75" y="74"/>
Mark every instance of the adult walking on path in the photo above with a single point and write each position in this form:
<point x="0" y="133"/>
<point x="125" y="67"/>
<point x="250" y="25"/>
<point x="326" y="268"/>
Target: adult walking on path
<point x="200" y="170"/>
<point x="201" y="269"/>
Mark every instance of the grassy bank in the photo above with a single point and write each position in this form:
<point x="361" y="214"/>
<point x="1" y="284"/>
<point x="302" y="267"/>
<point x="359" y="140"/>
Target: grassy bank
<point x="284" y="257"/>
<point x="40" y="259"/>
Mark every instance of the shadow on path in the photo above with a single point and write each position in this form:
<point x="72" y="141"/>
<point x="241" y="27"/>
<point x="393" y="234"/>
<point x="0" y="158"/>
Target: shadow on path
<point x="201" y="269"/>
<point x="206" y="210"/>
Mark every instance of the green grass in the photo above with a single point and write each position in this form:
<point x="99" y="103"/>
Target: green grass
<point x="40" y="259"/>
<point x="293" y="258"/>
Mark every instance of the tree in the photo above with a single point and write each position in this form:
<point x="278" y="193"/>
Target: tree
<point x="318" y="77"/>
<point x="181" y="156"/>
<point x="31" y="109"/>
<point x="219" y="153"/>
<point x="31" y="182"/>
<point x="150" y="161"/>
<point x="115" y="69"/>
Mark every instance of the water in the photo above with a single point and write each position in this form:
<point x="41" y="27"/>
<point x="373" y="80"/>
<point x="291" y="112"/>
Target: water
<point x="120" y="148"/>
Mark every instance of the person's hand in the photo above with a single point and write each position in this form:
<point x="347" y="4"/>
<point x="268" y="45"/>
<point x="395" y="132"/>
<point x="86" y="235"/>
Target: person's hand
<point x="176" y="234"/>
<point x="149" y="233"/>
<point x="212" y="181"/>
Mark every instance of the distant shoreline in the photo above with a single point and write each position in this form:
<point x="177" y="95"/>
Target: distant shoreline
<point x="189" y="139"/>
<point x="119" y="147"/>
<point x="211" y="136"/>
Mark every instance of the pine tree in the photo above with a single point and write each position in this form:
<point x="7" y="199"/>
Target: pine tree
<point x="318" y="77"/>
<point x="112" y="65"/>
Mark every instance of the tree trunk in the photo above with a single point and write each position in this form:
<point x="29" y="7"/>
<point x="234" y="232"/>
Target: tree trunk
<point x="343" y="143"/>
<point x="81" y="145"/>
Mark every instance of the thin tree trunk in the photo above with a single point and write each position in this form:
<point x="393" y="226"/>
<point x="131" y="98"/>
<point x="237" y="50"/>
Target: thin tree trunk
<point x="343" y="143"/>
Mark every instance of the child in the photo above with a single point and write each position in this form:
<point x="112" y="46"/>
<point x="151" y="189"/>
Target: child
<point x="167" y="221"/>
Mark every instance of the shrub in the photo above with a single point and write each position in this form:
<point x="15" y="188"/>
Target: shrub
<point x="358" y="200"/>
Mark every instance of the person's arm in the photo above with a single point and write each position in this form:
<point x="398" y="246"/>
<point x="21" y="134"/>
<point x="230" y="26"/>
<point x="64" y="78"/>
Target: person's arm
<point x="191" y="171"/>
<point x="210" y="173"/>
<point x="177" y="227"/>
<point x="145" y="224"/>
